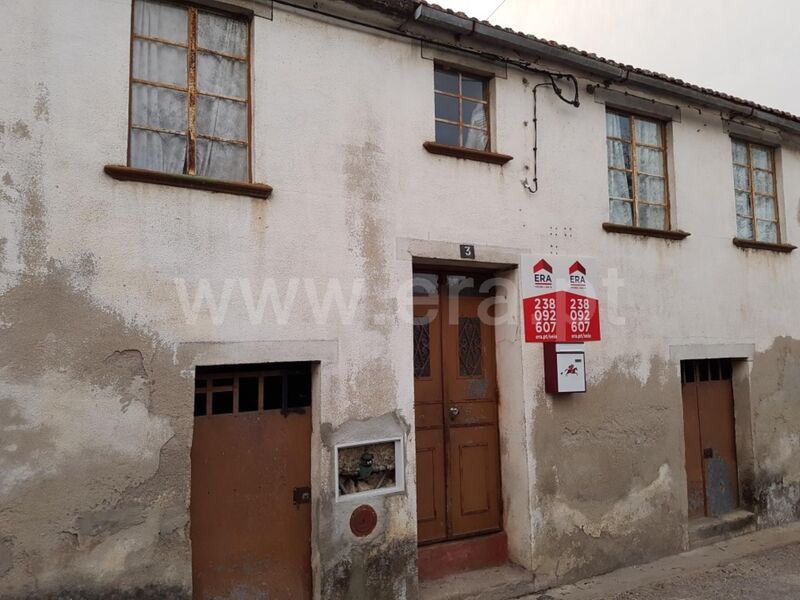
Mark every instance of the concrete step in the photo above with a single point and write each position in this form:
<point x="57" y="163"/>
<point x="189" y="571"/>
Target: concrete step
<point x="498" y="583"/>
<point x="710" y="530"/>
<point x="457" y="556"/>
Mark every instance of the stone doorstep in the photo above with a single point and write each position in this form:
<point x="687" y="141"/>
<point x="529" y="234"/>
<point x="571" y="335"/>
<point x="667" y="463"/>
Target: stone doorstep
<point x="497" y="583"/>
<point x="710" y="530"/>
<point x="443" y="559"/>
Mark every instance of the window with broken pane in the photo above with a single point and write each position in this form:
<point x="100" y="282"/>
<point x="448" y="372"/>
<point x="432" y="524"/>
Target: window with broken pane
<point x="461" y="104"/>
<point x="754" y="190"/>
<point x="189" y="91"/>
<point x="637" y="171"/>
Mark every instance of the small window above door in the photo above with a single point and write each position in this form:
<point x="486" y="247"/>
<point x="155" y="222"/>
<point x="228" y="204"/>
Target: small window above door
<point x="233" y="390"/>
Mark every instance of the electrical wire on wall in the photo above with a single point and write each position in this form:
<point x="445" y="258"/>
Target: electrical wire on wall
<point x="533" y="185"/>
<point x="552" y="76"/>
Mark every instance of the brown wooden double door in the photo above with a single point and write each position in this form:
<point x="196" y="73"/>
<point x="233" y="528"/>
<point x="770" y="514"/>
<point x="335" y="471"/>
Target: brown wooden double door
<point x="455" y="398"/>
<point x="710" y="437"/>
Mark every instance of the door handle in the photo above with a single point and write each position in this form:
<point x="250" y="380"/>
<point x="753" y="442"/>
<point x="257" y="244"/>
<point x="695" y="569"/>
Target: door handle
<point x="708" y="453"/>
<point x="454" y="410"/>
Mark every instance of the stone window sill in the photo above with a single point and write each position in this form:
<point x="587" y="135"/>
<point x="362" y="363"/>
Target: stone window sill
<point x="785" y="248"/>
<point x="668" y="234"/>
<point x="240" y="188"/>
<point x="468" y="153"/>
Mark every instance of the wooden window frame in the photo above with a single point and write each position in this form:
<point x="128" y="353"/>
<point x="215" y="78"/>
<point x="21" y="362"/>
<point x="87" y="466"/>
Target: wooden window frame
<point x="461" y="124"/>
<point x="634" y="172"/>
<point x="191" y="91"/>
<point x="751" y="171"/>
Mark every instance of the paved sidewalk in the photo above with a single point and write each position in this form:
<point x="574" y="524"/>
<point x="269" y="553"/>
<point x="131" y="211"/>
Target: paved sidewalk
<point x="764" y="565"/>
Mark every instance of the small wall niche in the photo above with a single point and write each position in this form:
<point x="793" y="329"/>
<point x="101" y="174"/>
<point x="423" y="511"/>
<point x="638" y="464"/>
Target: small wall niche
<point x="369" y="468"/>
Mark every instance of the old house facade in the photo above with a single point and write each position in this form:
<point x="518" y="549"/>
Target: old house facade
<point x="249" y="252"/>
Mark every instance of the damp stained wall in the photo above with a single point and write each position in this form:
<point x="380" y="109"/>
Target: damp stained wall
<point x="97" y="353"/>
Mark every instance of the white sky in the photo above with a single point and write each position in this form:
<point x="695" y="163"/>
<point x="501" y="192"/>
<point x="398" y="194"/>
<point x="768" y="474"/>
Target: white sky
<point x="744" y="47"/>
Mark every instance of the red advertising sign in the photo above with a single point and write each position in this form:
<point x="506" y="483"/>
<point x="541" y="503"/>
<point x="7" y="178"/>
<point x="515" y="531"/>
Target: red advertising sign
<point x="559" y="302"/>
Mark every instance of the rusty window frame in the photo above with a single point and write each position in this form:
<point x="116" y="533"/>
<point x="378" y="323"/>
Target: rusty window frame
<point x="634" y="170"/>
<point x="751" y="172"/>
<point x="190" y="165"/>
<point x="461" y="124"/>
<point x="205" y="384"/>
<point x="706" y="369"/>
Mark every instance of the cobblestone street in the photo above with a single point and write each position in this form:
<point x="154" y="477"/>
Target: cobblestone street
<point x="764" y="565"/>
<point x="768" y="575"/>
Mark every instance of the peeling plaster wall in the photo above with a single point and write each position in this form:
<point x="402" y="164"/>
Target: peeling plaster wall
<point x="776" y="421"/>
<point x="93" y="459"/>
<point x="381" y="565"/>
<point x="609" y="477"/>
<point x="609" y="474"/>
<point x="97" y="355"/>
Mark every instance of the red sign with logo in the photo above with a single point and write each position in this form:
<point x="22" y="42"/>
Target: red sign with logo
<point x="559" y="301"/>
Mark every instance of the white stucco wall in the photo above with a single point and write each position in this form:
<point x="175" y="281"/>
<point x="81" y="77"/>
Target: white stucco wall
<point x="339" y="118"/>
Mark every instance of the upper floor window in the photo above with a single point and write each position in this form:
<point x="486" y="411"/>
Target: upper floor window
<point x="756" y="199"/>
<point x="462" y="109"/>
<point x="637" y="171"/>
<point x="190" y="88"/>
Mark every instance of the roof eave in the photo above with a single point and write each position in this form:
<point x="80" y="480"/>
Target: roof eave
<point x="463" y="25"/>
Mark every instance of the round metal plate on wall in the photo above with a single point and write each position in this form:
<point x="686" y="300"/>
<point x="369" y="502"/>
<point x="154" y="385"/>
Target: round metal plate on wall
<point x="363" y="520"/>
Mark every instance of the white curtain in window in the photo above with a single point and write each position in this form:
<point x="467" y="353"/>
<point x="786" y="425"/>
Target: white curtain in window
<point x="160" y="20"/>
<point x="220" y="160"/>
<point x="476" y="138"/>
<point x="222" y="34"/>
<point x="618" y="126"/>
<point x="159" y="114"/>
<point x="158" y="151"/>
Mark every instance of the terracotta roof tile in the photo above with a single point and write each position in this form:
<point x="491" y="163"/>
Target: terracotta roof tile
<point x="410" y="5"/>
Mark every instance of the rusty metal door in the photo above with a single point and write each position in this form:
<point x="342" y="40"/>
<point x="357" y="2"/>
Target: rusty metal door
<point x="458" y="460"/>
<point x="251" y="470"/>
<point x="710" y="437"/>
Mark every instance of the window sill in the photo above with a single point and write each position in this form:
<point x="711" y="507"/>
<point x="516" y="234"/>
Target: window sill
<point x="785" y="248"/>
<point x="467" y="153"/>
<point x="669" y="234"/>
<point x="240" y="188"/>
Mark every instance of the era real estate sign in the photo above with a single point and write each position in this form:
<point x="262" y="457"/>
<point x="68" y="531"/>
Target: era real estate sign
<point x="559" y="301"/>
